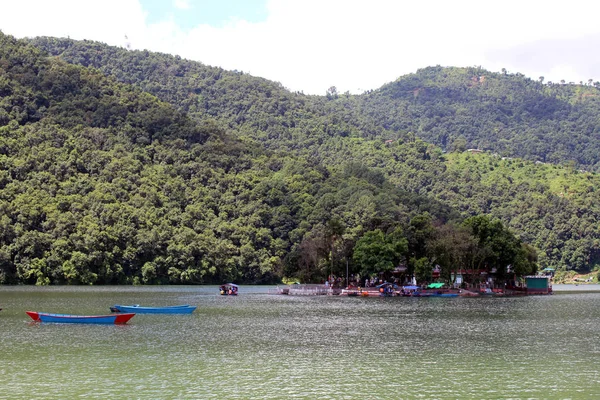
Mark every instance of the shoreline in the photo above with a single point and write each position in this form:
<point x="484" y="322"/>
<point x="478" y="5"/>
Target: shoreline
<point x="574" y="287"/>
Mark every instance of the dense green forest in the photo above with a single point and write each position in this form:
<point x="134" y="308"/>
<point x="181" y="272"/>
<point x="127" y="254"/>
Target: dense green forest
<point x="507" y="114"/>
<point x="125" y="166"/>
<point x="453" y="108"/>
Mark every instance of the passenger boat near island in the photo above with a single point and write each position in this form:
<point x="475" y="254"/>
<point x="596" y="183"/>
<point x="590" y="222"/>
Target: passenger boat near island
<point x="228" y="289"/>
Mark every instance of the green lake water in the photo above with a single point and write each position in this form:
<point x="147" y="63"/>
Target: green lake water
<point x="261" y="346"/>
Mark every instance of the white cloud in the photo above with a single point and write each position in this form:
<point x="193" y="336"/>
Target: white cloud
<point x="182" y="4"/>
<point x="310" y="45"/>
<point x="107" y="21"/>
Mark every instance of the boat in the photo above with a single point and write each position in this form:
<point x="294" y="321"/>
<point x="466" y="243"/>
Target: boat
<point x="436" y="289"/>
<point x="350" y="292"/>
<point x="136" y="308"/>
<point x="229" y="289"/>
<point x="410" y="291"/>
<point x="468" y="293"/>
<point x="388" y="289"/>
<point x="117" y="319"/>
<point x="440" y="293"/>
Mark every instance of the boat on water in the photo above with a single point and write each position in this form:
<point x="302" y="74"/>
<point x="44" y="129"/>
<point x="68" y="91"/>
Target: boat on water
<point x="439" y="289"/>
<point x="413" y="291"/>
<point x="437" y="294"/>
<point x="117" y="319"/>
<point x="387" y="289"/>
<point x="229" y="289"/>
<point x="180" y="309"/>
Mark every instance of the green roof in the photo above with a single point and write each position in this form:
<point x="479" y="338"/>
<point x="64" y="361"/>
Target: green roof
<point x="436" y="285"/>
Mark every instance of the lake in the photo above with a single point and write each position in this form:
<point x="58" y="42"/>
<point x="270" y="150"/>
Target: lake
<point x="261" y="346"/>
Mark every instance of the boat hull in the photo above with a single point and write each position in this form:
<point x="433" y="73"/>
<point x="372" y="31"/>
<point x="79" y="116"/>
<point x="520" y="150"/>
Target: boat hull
<point x="117" y="319"/>
<point x="182" y="309"/>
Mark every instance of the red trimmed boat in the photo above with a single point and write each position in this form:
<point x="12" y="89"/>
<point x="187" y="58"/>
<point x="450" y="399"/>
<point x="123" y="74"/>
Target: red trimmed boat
<point x="117" y="319"/>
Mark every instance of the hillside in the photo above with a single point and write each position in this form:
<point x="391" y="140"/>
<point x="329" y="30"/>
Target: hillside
<point x="508" y="114"/>
<point x="253" y="107"/>
<point x="453" y="108"/>
<point x="135" y="166"/>
<point x="104" y="183"/>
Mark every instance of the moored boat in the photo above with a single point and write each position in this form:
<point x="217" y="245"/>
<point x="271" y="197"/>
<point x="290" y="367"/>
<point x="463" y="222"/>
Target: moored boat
<point x="117" y="319"/>
<point x="180" y="309"/>
<point x="388" y="289"/>
<point x="410" y="291"/>
<point x="438" y="289"/>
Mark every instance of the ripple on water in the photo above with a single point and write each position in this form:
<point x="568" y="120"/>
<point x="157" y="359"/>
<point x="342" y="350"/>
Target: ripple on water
<point x="272" y="347"/>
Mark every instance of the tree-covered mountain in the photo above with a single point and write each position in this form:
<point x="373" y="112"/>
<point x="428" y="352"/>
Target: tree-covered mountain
<point x="453" y="108"/>
<point x="104" y="183"/>
<point x="509" y="114"/>
<point x="129" y="166"/>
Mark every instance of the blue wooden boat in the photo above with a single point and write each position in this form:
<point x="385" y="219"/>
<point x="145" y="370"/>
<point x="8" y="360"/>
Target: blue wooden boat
<point x="180" y="309"/>
<point x="117" y="319"/>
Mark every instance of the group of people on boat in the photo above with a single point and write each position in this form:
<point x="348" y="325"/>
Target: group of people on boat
<point x="228" y="289"/>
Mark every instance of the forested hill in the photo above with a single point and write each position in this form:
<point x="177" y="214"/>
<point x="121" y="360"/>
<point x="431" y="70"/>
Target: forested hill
<point x="454" y="108"/>
<point x="102" y="183"/>
<point x="135" y="166"/>
<point x="509" y="114"/>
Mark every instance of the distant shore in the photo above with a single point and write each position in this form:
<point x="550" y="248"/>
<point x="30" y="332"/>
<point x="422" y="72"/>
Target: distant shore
<point x="576" y="287"/>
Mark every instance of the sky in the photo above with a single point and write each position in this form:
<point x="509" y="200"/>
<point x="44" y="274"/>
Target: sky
<point x="354" y="45"/>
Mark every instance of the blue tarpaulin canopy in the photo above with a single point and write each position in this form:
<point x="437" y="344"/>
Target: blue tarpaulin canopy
<point x="411" y="287"/>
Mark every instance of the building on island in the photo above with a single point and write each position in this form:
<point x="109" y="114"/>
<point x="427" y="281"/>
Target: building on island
<point x="539" y="284"/>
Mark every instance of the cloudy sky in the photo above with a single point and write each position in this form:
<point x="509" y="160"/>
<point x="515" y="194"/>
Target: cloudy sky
<point x="355" y="45"/>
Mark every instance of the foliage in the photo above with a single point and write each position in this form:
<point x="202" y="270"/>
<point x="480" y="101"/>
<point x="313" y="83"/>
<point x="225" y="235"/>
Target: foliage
<point x="503" y="113"/>
<point x="376" y="252"/>
<point x="126" y="167"/>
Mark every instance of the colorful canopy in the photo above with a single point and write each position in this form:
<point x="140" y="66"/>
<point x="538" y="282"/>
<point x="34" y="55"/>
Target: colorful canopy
<point x="436" y="285"/>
